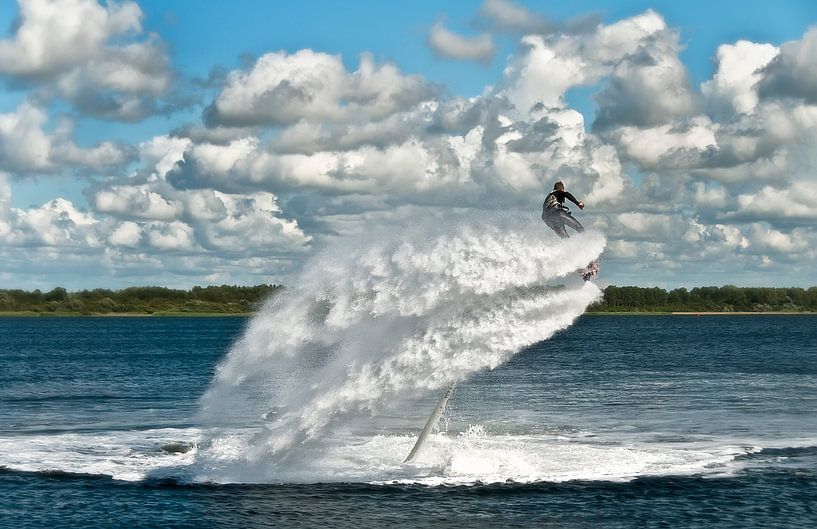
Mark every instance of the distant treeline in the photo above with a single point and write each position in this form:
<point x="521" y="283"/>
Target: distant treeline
<point x="224" y="299"/>
<point x="727" y="298"/>
<point x="230" y="299"/>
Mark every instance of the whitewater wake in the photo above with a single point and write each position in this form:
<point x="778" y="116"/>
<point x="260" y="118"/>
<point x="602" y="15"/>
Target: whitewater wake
<point x="391" y="316"/>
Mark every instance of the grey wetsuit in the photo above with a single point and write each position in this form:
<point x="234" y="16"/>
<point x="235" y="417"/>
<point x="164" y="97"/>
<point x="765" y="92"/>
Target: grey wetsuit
<point x="557" y="216"/>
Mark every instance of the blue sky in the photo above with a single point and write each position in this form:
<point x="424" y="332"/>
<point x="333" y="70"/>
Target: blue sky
<point x="104" y="148"/>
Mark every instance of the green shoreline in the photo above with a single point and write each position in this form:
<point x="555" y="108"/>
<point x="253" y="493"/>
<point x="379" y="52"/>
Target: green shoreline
<point x="172" y="314"/>
<point x="169" y="314"/>
<point x="704" y="313"/>
<point x="243" y="301"/>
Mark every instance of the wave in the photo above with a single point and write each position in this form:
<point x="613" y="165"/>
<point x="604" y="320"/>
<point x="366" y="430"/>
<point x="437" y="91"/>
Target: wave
<point x="472" y="456"/>
<point x="124" y="455"/>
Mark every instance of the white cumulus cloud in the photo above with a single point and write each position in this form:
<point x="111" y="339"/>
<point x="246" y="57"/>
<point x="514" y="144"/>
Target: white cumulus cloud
<point x="283" y="88"/>
<point x="26" y="148"/>
<point x="733" y="88"/>
<point x="75" y="48"/>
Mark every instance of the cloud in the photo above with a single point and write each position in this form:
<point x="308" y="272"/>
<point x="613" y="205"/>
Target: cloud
<point x="170" y="236"/>
<point x="91" y="55"/>
<point x="743" y="156"/>
<point x="504" y="144"/>
<point x="55" y="223"/>
<point x="429" y="119"/>
<point x="549" y="66"/>
<point x="236" y="222"/>
<point x="733" y="88"/>
<point x="766" y="240"/>
<point x="296" y="148"/>
<point x="155" y="213"/>
<point x="128" y="234"/>
<point x="244" y="165"/>
<point x="701" y="157"/>
<point x="510" y="16"/>
<point x="135" y="202"/>
<point x="284" y="88"/>
<point x="506" y="163"/>
<point x="793" y="72"/>
<point x="200" y="220"/>
<point x="217" y="134"/>
<point x="126" y="84"/>
<point x="541" y="75"/>
<point x="52" y="37"/>
<point x="663" y="145"/>
<point x="242" y="239"/>
<point x="448" y="44"/>
<point x="238" y="237"/>
<point x="796" y="203"/>
<point x="25" y="147"/>
<point x="647" y="88"/>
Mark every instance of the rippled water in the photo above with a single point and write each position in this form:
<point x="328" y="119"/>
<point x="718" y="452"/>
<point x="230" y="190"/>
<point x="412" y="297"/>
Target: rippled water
<point x="616" y="422"/>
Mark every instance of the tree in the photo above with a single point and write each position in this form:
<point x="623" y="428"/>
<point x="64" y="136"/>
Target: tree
<point x="58" y="294"/>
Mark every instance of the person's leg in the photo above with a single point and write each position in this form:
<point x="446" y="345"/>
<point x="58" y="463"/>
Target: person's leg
<point x="570" y="220"/>
<point x="555" y="223"/>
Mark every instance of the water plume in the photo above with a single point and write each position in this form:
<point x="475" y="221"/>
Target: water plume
<point x="393" y="314"/>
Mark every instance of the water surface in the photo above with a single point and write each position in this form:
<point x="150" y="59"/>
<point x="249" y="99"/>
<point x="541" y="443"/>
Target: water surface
<point x="616" y="422"/>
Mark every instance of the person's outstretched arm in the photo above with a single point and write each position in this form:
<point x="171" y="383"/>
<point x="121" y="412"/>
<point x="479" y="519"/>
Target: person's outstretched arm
<point x="573" y="199"/>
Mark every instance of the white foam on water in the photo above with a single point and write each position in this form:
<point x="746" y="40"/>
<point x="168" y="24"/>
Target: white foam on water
<point x="467" y="458"/>
<point x="471" y="457"/>
<point x="124" y="455"/>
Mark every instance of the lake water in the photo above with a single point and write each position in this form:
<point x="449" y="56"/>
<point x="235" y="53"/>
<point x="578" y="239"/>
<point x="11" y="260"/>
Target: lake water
<point x="636" y="421"/>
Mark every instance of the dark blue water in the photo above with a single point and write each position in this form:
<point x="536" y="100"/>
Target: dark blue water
<point x="689" y="422"/>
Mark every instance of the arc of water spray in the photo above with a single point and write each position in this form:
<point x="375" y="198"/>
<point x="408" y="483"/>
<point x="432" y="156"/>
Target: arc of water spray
<point x="431" y="423"/>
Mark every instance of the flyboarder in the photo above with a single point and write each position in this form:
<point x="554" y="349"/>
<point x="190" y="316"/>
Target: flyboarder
<point x="556" y="215"/>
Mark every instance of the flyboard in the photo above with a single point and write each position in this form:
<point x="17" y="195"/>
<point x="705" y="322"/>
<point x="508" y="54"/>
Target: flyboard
<point x="431" y="422"/>
<point x="590" y="271"/>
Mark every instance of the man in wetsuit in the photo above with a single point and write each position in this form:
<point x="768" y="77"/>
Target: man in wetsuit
<point x="556" y="215"/>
